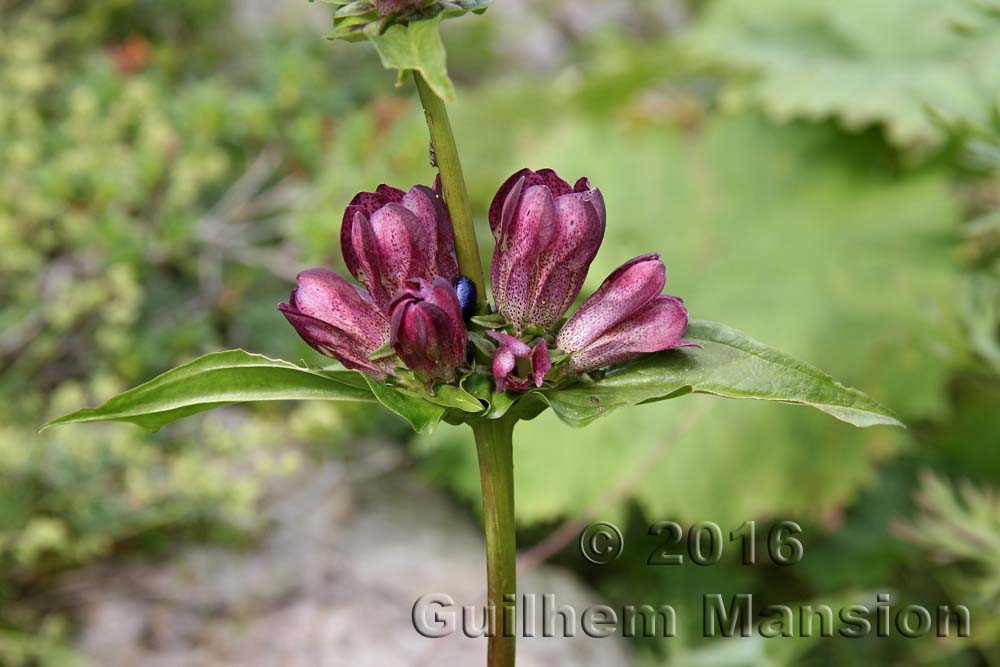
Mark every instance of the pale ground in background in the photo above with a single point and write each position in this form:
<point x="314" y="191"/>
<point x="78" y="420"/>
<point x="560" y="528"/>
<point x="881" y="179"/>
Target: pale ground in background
<point x="352" y="547"/>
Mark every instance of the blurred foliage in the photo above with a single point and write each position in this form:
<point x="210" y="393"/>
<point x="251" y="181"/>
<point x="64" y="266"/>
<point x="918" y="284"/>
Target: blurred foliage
<point x="959" y="526"/>
<point x="140" y="202"/>
<point x="962" y="526"/>
<point x="746" y="206"/>
<point x="166" y="172"/>
<point x="862" y="63"/>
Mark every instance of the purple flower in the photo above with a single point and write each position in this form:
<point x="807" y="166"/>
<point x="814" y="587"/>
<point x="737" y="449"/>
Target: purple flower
<point x="389" y="236"/>
<point x="547" y="234"/>
<point x="536" y="362"/>
<point x="428" y="332"/>
<point x="390" y="7"/>
<point x="394" y="242"/>
<point x="625" y="317"/>
<point x="339" y="320"/>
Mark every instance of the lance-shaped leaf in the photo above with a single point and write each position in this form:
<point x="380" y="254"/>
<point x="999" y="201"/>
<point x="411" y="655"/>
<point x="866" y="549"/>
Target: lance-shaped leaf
<point x="731" y="365"/>
<point x="219" y="379"/>
<point x="423" y="415"/>
<point x="451" y="396"/>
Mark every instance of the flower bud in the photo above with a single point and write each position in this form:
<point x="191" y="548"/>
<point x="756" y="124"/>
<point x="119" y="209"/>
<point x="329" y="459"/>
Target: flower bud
<point x="389" y="236"/>
<point x="427" y="330"/>
<point x="391" y="7"/>
<point x="535" y="363"/>
<point x="547" y="235"/>
<point x="625" y="317"/>
<point x="338" y="319"/>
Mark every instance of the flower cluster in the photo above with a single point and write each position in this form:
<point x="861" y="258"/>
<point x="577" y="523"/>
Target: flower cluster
<point x="416" y="311"/>
<point x="399" y="245"/>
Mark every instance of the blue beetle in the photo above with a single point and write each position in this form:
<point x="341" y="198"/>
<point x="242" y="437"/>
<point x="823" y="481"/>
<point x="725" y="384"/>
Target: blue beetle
<point x="465" y="290"/>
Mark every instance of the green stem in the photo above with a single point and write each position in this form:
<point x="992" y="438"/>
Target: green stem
<point x="494" y="443"/>
<point x="456" y="196"/>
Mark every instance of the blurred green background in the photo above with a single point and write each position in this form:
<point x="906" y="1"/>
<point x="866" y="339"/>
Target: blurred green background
<point x="823" y="175"/>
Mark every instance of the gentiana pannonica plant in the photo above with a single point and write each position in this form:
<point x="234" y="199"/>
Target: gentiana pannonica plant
<point x="416" y="333"/>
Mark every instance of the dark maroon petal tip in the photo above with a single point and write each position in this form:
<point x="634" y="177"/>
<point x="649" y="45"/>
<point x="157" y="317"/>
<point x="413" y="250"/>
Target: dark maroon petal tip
<point x="497" y="205"/>
<point x="365" y="204"/>
<point x="389" y="193"/>
<point x="552" y="180"/>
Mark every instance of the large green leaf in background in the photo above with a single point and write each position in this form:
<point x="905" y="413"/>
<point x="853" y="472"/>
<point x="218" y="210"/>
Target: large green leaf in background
<point x="865" y="63"/>
<point x="799" y="236"/>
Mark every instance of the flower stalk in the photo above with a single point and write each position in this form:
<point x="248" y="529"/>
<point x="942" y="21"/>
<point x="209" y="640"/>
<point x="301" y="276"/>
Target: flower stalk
<point x="456" y="196"/>
<point x="494" y="445"/>
<point x="494" y="437"/>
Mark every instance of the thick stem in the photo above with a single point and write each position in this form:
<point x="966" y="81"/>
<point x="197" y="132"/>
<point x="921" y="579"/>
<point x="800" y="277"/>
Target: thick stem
<point x="456" y="196"/>
<point x="494" y="444"/>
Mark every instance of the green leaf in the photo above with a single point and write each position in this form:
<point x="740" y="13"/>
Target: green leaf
<point x="492" y="321"/>
<point x="416" y="46"/>
<point x="483" y="387"/>
<point x="731" y="365"/>
<point x="219" y="379"/>
<point x="423" y="415"/>
<point x="455" y="397"/>
<point x="383" y="352"/>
